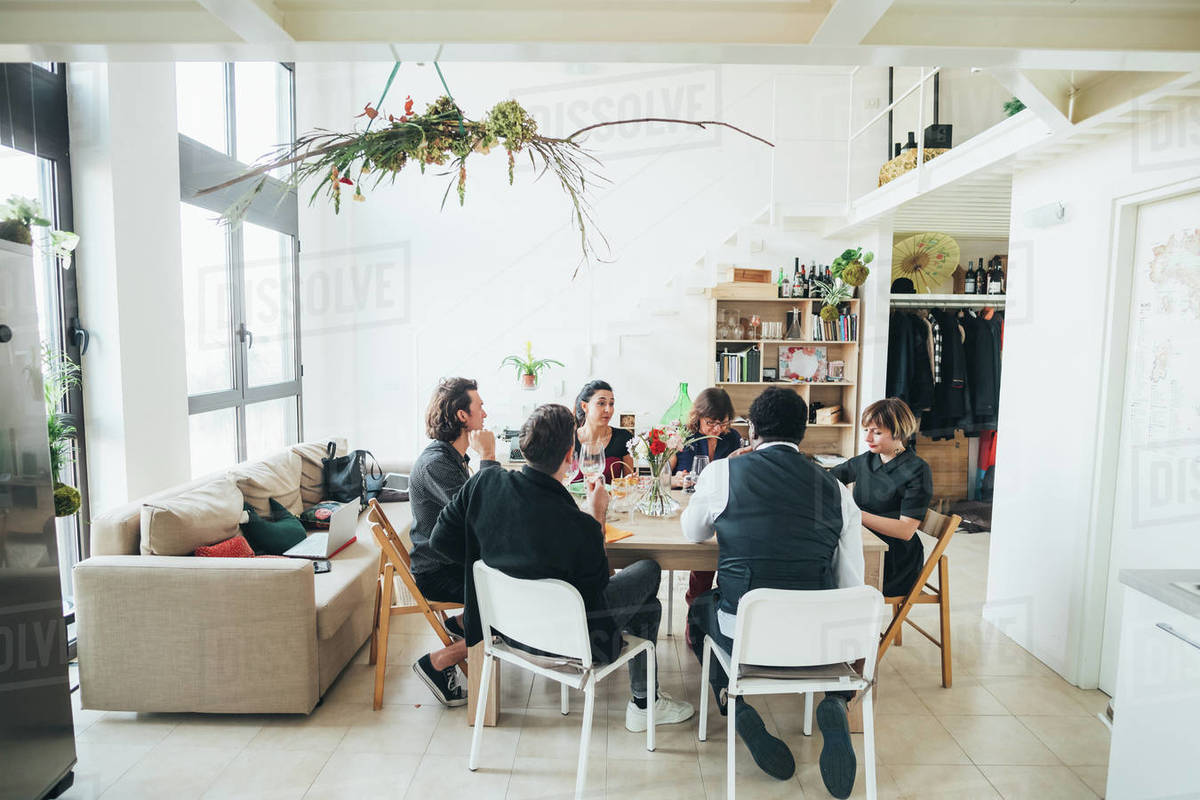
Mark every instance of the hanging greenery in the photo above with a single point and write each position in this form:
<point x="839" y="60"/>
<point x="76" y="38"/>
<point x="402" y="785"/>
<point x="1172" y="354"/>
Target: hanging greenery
<point x="441" y="136"/>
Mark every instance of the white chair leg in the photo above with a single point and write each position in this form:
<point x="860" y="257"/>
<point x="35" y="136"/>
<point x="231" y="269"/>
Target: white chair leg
<point x="868" y="715"/>
<point x="564" y="700"/>
<point x="730" y="747"/>
<point x="651" y="695"/>
<point x="704" y="690"/>
<point x="670" y="599"/>
<point x="585" y="736"/>
<point x="480" y="710"/>
<point x="808" y="713"/>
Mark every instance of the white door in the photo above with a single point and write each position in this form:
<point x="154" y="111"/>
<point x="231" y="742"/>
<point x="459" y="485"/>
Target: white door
<point x="1156" y="514"/>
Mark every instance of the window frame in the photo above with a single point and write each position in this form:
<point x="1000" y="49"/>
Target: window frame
<point x="276" y="208"/>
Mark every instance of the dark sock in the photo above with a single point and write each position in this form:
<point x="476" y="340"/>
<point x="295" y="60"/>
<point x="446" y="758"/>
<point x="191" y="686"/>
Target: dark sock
<point x="640" y="702"/>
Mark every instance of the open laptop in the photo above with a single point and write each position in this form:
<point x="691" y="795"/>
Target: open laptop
<point x="326" y="544"/>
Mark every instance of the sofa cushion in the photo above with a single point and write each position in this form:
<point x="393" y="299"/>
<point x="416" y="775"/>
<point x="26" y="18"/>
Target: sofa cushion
<point x="203" y="515"/>
<point x="349" y="585"/>
<point x="312" y="483"/>
<point x="275" y="534"/>
<point x="237" y="547"/>
<point x="276" y="477"/>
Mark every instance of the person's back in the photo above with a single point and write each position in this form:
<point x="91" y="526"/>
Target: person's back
<point x="527" y="526"/>
<point x="780" y="527"/>
<point x="781" y="523"/>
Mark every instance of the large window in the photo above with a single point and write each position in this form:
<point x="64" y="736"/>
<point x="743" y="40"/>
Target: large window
<point x="35" y="163"/>
<point x="240" y="283"/>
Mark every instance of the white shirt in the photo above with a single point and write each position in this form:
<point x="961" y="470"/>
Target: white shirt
<point x="711" y="497"/>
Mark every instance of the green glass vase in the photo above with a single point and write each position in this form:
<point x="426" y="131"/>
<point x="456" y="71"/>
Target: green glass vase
<point x="680" y="409"/>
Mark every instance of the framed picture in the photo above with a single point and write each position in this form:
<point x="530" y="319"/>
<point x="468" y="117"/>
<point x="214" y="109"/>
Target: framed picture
<point x="627" y="421"/>
<point x="770" y="374"/>
<point x="802" y="363"/>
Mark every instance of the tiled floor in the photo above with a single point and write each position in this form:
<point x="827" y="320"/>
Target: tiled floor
<point x="1009" y="728"/>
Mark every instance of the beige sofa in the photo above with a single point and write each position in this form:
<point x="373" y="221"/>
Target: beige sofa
<point x="217" y="635"/>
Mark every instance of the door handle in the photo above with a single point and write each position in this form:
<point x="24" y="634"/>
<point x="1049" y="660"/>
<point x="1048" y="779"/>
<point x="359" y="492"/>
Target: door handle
<point x="79" y="335"/>
<point x="1165" y="627"/>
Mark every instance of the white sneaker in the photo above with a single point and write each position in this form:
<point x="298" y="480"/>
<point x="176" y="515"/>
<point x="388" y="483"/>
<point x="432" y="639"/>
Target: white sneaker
<point x="667" y="711"/>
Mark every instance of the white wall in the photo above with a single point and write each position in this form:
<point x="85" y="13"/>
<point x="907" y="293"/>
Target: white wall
<point x="466" y="286"/>
<point x="125" y="187"/>
<point x="1049" y="545"/>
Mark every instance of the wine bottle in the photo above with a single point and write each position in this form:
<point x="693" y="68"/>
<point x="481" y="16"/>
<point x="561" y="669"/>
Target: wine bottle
<point x="969" y="288"/>
<point x="796" y="284"/>
<point x="803" y="282"/>
<point x="981" y="279"/>
<point x="996" y="278"/>
<point x="828" y="274"/>
<point x="779" y="283"/>
<point x="787" y="285"/>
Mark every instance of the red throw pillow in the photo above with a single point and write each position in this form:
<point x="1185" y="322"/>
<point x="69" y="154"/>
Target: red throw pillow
<point x="236" y="547"/>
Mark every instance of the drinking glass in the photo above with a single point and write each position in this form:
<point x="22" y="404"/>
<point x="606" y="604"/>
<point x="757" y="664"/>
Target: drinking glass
<point x="591" y="461"/>
<point x="572" y="470"/>
<point x="698" y="465"/>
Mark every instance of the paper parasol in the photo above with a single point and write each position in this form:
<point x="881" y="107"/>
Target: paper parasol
<point x="926" y="259"/>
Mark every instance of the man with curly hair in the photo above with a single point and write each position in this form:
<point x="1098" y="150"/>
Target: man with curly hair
<point x="454" y="421"/>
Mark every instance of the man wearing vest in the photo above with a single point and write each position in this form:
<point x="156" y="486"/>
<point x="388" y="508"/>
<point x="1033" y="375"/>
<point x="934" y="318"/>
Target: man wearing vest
<point x="781" y="522"/>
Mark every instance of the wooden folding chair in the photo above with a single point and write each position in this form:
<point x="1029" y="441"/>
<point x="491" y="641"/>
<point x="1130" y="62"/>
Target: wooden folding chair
<point x="390" y="600"/>
<point x="941" y="528"/>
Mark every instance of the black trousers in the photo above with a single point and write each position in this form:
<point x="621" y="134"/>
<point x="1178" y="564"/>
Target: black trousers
<point x="702" y="616"/>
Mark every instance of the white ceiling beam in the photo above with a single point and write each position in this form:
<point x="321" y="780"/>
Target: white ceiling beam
<point x="849" y="21"/>
<point x="250" y="20"/>
<point x="1048" y="95"/>
<point x="15" y="46"/>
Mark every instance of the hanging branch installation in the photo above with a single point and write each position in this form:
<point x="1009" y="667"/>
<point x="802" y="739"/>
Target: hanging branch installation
<point x="440" y="137"/>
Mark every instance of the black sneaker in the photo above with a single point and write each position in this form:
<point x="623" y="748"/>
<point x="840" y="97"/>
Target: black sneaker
<point x="454" y="627"/>
<point x="837" y="753"/>
<point x="443" y="683"/>
<point x="771" y="754"/>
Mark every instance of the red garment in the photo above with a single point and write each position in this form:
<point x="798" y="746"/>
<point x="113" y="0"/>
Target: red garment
<point x="987" y="450"/>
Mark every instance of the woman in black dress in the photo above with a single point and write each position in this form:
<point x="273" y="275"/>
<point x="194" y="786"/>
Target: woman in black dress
<point x="893" y="487"/>
<point x="593" y="410"/>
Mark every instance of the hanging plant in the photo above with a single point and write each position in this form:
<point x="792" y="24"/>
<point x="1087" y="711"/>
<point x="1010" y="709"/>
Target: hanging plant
<point x="441" y="136"/>
<point x="1013" y="106"/>
<point x="851" y="266"/>
<point x="59" y="375"/>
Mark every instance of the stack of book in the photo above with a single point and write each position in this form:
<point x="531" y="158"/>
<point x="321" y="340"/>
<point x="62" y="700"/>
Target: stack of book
<point x="842" y="329"/>
<point x="740" y="367"/>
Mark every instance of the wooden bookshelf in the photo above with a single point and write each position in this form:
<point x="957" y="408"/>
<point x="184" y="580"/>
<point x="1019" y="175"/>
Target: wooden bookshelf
<point x="840" y="437"/>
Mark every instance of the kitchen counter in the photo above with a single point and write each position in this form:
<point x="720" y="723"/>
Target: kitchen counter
<point x="1158" y="583"/>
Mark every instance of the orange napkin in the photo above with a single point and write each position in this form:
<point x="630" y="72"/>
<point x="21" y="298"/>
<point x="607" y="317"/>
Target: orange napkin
<point x="612" y="534"/>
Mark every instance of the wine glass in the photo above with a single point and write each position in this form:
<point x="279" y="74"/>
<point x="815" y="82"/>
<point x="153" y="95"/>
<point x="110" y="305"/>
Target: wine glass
<point x="572" y="470"/>
<point x="591" y="461"/>
<point x="698" y="465"/>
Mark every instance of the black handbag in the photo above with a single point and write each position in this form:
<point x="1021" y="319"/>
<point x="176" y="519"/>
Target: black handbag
<point x="347" y="478"/>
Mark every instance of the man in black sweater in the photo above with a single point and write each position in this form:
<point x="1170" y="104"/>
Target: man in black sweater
<point x="527" y="525"/>
<point x="454" y="421"/>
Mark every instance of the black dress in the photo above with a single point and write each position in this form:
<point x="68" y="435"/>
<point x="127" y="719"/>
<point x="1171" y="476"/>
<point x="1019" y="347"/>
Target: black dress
<point x="903" y="487"/>
<point x="616" y="449"/>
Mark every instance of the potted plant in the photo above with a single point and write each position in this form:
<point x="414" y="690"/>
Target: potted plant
<point x="19" y="214"/>
<point x="529" y="368"/>
<point x="59" y="375"/>
<point x="851" y="266"/>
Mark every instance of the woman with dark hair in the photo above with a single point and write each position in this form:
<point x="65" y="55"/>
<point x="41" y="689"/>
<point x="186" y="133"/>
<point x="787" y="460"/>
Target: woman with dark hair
<point x="893" y="487"/>
<point x="593" y="410"/>
<point x="711" y="414"/>
<point x="708" y="428"/>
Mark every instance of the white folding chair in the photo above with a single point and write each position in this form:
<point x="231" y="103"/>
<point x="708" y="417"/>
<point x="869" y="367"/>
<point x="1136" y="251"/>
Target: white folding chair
<point x="804" y="642"/>
<point x="548" y="615"/>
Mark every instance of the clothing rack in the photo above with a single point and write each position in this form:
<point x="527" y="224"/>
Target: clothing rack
<point x="947" y="301"/>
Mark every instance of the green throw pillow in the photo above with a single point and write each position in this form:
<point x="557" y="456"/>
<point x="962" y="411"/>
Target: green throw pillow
<point x="271" y="537"/>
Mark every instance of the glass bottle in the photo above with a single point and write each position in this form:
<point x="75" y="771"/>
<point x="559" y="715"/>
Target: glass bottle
<point x="680" y="409"/>
<point x="794" y="330"/>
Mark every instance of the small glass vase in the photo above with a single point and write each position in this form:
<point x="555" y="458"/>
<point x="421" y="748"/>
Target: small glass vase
<point x="657" y="502"/>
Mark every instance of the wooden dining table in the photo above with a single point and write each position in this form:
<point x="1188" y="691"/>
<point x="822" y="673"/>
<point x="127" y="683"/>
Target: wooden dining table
<point x="661" y="539"/>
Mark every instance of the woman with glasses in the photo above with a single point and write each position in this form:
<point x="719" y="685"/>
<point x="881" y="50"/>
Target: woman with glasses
<point x="710" y="417"/>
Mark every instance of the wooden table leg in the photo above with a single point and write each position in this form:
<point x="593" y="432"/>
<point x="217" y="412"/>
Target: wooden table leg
<point x="475" y="660"/>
